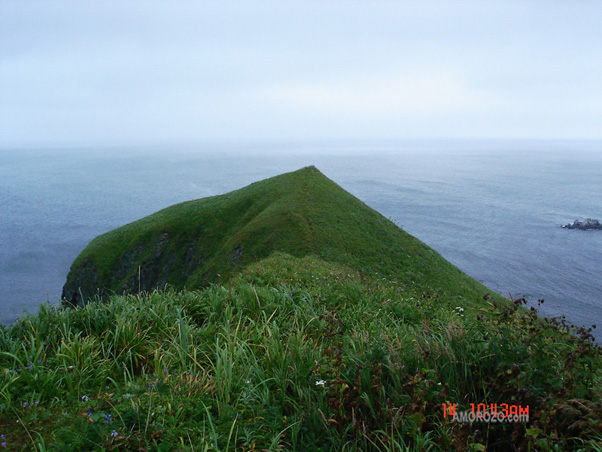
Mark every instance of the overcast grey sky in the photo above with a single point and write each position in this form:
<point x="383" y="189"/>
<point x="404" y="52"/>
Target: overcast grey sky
<point x="155" y="71"/>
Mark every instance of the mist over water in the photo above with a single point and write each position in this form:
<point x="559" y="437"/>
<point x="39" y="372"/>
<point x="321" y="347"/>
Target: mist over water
<point x="491" y="208"/>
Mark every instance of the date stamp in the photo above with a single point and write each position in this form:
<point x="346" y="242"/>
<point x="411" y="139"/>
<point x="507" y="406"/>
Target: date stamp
<point x="484" y="412"/>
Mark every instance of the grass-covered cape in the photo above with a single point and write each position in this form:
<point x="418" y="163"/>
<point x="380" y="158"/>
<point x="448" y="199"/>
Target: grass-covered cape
<point x="287" y="315"/>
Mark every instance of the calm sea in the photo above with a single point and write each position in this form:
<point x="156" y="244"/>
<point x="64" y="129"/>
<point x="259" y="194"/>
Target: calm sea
<point x="494" y="209"/>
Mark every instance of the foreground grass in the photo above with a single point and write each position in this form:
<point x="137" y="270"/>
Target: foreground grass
<point x="294" y="354"/>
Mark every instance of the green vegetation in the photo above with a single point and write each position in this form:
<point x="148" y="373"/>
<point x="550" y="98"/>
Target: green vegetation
<point x="351" y="340"/>
<point x="301" y="213"/>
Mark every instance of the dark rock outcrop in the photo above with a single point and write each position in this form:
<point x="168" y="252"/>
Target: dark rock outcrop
<point x="83" y="285"/>
<point x="137" y="270"/>
<point x="584" y="225"/>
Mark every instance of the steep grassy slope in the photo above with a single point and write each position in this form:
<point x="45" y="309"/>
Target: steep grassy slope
<point x="301" y="213"/>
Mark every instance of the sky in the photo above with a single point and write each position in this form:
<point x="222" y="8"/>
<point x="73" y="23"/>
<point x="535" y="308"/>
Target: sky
<point x="137" y="72"/>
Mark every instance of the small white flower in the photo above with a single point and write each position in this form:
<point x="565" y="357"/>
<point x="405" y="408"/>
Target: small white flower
<point x="248" y="382"/>
<point x="85" y="398"/>
<point x="320" y="382"/>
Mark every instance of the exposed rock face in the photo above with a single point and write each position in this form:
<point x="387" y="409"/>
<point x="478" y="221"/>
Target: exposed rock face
<point x="83" y="285"/>
<point x="139" y="269"/>
<point x="584" y="225"/>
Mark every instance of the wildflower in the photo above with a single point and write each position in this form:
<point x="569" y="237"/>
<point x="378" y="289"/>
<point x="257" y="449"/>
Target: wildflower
<point x="114" y="434"/>
<point x="3" y="444"/>
<point x="458" y="310"/>
<point x="24" y="404"/>
<point x="320" y="382"/>
<point x="85" y="398"/>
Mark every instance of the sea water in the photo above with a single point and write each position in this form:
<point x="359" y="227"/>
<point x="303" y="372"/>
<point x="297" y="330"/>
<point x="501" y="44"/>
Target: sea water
<point x="494" y="209"/>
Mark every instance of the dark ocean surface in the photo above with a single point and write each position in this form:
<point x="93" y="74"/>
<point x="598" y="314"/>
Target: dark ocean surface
<point x="494" y="209"/>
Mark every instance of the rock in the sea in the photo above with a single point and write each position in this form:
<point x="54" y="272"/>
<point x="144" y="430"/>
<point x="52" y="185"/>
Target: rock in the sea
<point x="584" y="225"/>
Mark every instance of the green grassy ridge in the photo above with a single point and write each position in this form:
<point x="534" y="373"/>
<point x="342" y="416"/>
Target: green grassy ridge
<point x="293" y="353"/>
<point x="212" y="226"/>
<point x="299" y="213"/>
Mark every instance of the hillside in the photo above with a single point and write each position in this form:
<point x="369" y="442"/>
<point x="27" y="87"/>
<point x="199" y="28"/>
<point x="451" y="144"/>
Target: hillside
<point x="301" y="213"/>
<point x="289" y="316"/>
